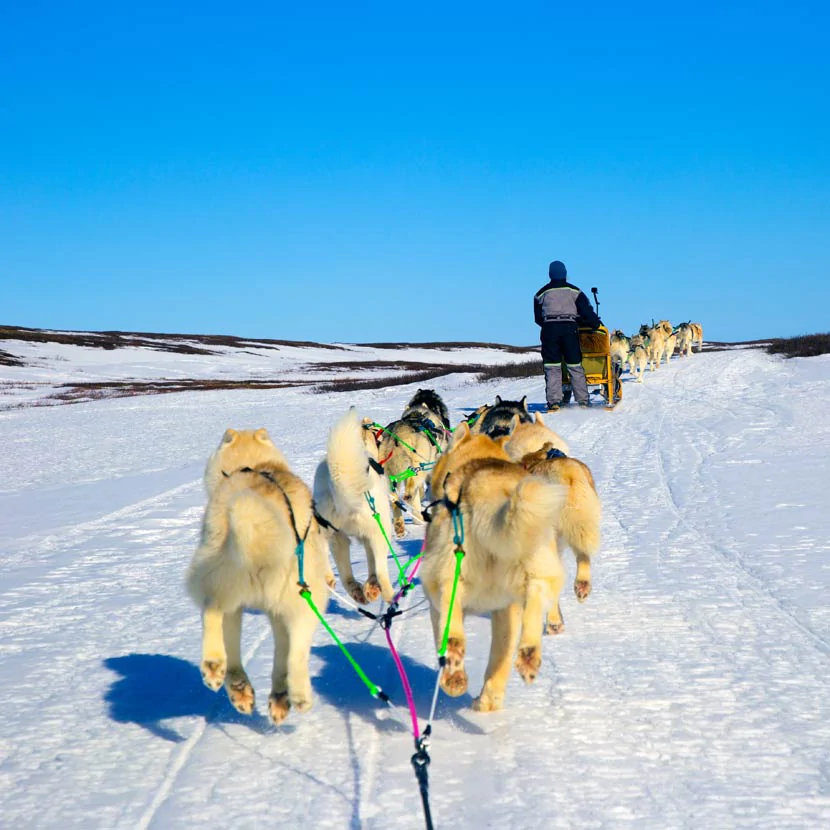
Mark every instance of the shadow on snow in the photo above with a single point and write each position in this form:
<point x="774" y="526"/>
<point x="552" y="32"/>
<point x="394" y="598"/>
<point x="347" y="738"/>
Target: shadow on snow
<point x="153" y="688"/>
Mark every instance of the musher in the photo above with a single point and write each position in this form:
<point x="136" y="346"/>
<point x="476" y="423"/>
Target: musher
<point x="559" y="308"/>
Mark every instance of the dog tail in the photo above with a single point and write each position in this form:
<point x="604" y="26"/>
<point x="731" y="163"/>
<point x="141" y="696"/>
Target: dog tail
<point x="527" y="516"/>
<point x="348" y="462"/>
<point x="579" y="522"/>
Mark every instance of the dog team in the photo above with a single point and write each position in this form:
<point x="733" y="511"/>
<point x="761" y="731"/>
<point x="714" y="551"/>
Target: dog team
<point x="652" y="344"/>
<point x="266" y="537"/>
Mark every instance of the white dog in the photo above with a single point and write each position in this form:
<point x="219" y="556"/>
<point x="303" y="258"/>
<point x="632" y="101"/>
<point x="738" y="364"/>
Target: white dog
<point x="346" y="483"/>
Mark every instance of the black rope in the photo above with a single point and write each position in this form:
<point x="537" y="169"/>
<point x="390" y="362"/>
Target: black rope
<point x="420" y="763"/>
<point x="377" y="467"/>
<point x="322" y="521"/>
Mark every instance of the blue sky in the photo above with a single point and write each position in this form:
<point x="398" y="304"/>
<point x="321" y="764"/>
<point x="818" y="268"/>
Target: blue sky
<point x="398" y="172"/>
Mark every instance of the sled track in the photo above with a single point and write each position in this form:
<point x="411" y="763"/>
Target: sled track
<point x="728" y="556"/>
<point x="186" y="751"/>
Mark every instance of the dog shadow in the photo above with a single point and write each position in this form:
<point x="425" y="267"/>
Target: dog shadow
<point x="339" y="685"/>
<point x="154" y="688"/>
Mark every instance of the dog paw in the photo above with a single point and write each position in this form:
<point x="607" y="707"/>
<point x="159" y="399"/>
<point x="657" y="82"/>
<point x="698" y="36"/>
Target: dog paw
<point x="302" y="703"/>
<point x="278" y="707"/>
<point x="582" y="587"/>
<point x="400" y="528"/>
<point x="213" y="673"/>
<point x="355" y="591"/>
<point x="528" y="662"/>
<point x="555" y="622"/>
<point x="240" y="692"/>
<point x="487" y="702"/>
<point x="454" y="683"/>
<point x="453" y="676"/>
<point x="371" y="589"/>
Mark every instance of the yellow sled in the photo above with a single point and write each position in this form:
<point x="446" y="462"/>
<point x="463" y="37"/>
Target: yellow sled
<point x="596" y="361"/>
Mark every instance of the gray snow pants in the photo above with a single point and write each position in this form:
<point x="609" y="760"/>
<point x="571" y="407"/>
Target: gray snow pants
<point x="561" y="340"/>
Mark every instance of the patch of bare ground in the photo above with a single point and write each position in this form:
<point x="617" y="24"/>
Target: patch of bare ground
<point x="805" y="345"/>
<point x="406" y="372"/>
<point x="7" y="359"/>
<point x="721" y="346"/>
<point x="484" y="373"/>
<point x="451" y="345"/>
<point x="204" y="344"/>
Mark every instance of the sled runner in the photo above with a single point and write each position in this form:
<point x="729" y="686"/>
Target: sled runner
<point x="599" y="370"/>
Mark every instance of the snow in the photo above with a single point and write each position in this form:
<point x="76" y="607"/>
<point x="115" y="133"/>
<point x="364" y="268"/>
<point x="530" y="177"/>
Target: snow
<point x="691" y="689"/>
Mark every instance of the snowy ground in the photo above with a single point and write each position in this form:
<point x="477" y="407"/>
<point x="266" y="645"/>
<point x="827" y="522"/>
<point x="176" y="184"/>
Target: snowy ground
<point x="692" y="689"/>
<point x="46" y="368"/>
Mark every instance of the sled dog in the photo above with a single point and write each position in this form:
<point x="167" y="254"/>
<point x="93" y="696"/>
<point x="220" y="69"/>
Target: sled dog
<point x="669" y="349"/>
<point x="684" y="339"/>
<point x="655" y="343"/>
<point x="527" y="437"/>
<point x="510" y="568"/>
<point x="620" y="346"/>
<point x="344" y="483"/>
<point x="474" y="420"/>
<point x="247" y="558"/>
<point x="496" y="421"/>
<point x="431" y="401"/>
<point x="409" y="447"/>
<point x="697" y="335"/>
<point x="637" y="361"/>
<point x="579" y="522"/>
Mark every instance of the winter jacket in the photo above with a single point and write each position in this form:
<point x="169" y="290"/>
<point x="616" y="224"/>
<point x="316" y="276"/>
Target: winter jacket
<point x="561" y="302"/>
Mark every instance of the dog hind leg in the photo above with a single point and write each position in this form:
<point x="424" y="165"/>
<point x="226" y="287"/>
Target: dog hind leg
<point x="340" y="550"/>
<point x="505" y="627"/>
<point x="453" y="675"/>
<point x="300" y="634"/>
<point x="378" y="583"/>
<point x="582" y="583"/>
<point x="278" y="702"/>
<point x="537" y="597"/>
<point x="237" y="685"/>
<point x="214" y="661"/>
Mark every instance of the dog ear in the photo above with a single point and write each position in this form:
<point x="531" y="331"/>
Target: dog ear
<point x="230" y="436"/>
<point x="262" y="436"/>
<point x="523" y="402"/>
<point x="514" y="422"/>
<point x="366" y="421"/>
<point x="462" y="431"/>
<point x="498" y="399"/>
<point x="539" y="419"/>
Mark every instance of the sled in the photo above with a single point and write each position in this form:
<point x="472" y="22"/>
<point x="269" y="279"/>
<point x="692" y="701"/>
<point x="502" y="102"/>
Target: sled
<point x="599" y="370"/>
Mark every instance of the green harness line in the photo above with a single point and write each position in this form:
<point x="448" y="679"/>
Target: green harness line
<point x="396" y="438"/>
<point x="376" y="516"/>
<point x="374" y="690"/>
<point x="470" y="420"/>
<point x="458" y="541"/>
<point x="305" y="593"/>
<point x="395" y="478"/>
<point x="433" y="441"/>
